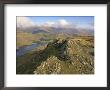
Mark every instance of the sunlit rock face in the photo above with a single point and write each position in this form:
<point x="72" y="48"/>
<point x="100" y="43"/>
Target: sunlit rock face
<point x="73" y="55"/>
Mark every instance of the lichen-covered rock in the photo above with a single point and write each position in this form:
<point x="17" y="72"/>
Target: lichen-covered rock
<point x="50" y="66"/>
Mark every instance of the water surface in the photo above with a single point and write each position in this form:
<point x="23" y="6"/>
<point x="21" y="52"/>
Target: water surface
<point x="23" y="50"/>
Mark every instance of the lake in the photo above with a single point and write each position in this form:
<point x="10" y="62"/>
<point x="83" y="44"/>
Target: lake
<point x="23" y="50"/>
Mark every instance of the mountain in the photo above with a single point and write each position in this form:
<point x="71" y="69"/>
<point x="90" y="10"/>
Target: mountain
<point x="72" y="31"/>
<point x="56" y="30"/>
<point x="39" y="31"/>
<point x="72" y="55"/>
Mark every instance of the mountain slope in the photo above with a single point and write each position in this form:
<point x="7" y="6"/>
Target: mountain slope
<point x="24" y="38"/>
<point x="57" y="30"/>
<point x="62" y="56"/>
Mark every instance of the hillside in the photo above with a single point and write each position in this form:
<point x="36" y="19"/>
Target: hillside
<point x="27" y="38"/>
<point x="24" y="38"/>
<point x="61" y="56"/>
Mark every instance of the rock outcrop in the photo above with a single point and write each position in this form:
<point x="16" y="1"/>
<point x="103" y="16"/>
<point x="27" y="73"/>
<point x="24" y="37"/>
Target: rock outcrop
<point x="68" y="56"/>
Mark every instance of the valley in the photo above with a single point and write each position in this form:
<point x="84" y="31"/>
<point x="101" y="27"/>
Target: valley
<point x="55" y="45"/>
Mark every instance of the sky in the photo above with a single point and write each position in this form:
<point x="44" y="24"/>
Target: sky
<point x="64" y="21"/>
<point x="74" y="19"/>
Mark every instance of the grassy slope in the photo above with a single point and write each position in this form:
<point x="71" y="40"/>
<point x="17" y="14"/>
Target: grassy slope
<point x="45" y="61"/>
<point x="24" y="38"/>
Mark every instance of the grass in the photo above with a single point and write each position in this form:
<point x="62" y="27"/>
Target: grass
<point x="26" y="38"/>
<point x="53" y="58"/>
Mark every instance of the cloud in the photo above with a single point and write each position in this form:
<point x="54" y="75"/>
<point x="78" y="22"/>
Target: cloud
<point x="85" y="27"/>
<point x="63" y="22"/>
<point x="24" y="22"/>
<point x="49" y="24"/>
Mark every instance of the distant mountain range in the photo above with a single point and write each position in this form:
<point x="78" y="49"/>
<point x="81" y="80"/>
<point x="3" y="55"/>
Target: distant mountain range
<point x="57" y="30"/>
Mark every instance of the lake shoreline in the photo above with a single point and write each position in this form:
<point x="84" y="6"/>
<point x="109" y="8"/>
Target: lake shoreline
<point x="26" y="48"/>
